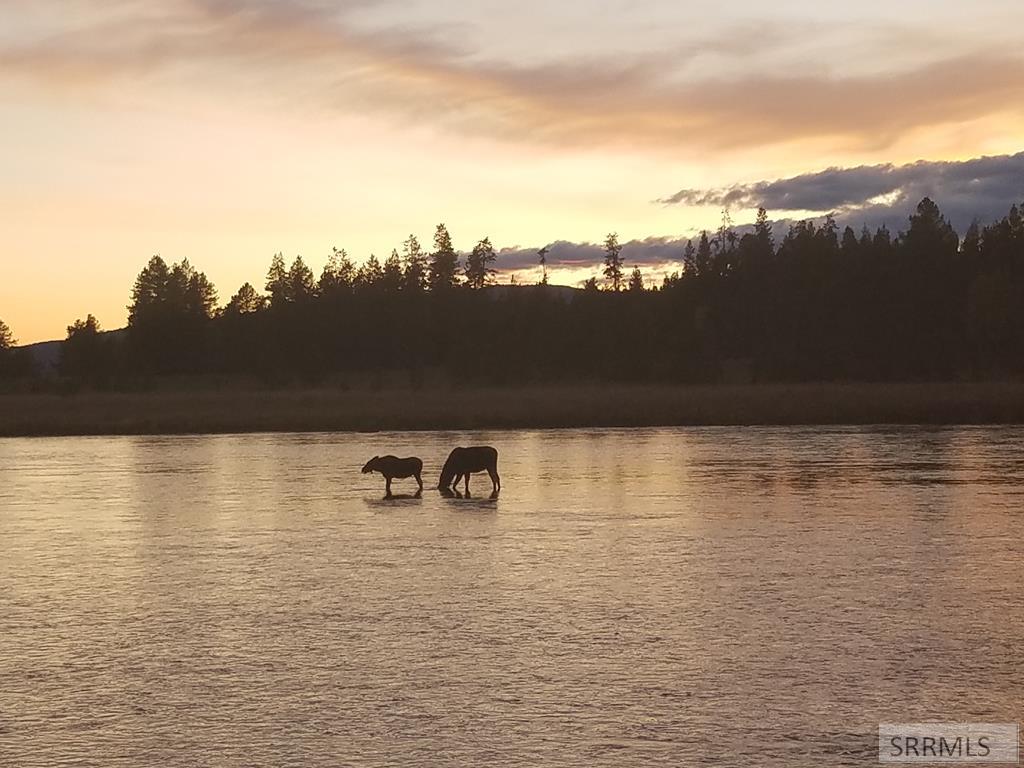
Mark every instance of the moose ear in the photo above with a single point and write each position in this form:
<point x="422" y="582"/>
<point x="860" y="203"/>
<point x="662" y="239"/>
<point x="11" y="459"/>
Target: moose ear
<point x="375" y="458"/>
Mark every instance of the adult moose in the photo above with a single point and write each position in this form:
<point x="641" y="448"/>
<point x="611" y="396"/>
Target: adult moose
<point x="392" y="467"/>
<point x="462" y="462"/>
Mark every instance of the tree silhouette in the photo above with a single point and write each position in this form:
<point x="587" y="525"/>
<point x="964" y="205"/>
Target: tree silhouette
<point x="301" y="285"/>
<point x="725" y="246"/>
<point x="14" y="363"/>
<point x="849" y="245"/>
<point x="763" y="231"/>
<point x="7" y="340"/>
<point x="245" y="301"/>
<point x="613" y="261"/>
<point x="371" y="274"/>
<point x="636" y="280"/>
<point x="277" y="281"/>
<point x="393" y="276"/>
<point x="201" y="295"/>
<point x="444" y="262"/>
<point x="542" y="257"/>
<point x="971" y="246"/>
<point x="84" y="355"/>
<point x="824" y="303"/>
<point x="930" y="234"/>
<point x="415" y="263"/>
<point x="690" y="268"/>
<point x="703" y="257"/>
<point x="338" y="274"/>
<point x="478" y="264"/>
<point x="162" y="291"/>
<point x="168" y="314"/>
<point x="150" y="292"/>
<point x="755" y="249"/>
<point x="89" y="327"/>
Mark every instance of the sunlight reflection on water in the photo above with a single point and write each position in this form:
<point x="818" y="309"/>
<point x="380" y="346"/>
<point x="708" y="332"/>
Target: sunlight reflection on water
<point x="671" y="596"/>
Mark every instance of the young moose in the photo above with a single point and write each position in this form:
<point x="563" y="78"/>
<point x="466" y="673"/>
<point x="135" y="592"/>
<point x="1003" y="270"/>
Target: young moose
<point x="392" y="467"/>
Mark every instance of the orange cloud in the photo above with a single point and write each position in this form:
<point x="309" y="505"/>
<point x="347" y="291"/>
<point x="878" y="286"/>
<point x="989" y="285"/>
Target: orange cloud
<point x="643" y="99"/>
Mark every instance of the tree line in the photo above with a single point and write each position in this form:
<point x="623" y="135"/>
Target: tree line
<point x="824" y="303"/>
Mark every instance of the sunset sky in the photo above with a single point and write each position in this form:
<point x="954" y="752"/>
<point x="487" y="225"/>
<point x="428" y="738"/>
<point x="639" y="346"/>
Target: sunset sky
<point x="226" y="130"/>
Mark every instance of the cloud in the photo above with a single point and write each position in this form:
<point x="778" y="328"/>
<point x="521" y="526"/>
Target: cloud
<point x="657" y="253"/>
<point x="983" y="188"/>
<point x="326" y="53"/>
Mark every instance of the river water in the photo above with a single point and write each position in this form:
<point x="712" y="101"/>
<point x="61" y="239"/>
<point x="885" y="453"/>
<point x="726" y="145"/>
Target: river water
<point x="730" y="597"/>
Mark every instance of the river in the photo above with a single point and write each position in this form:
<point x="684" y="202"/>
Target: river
<point x="729" y="596"/>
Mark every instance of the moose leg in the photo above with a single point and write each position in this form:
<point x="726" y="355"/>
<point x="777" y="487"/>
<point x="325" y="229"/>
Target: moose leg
<point x="387" y="485"/>
<point x="419" y="481"/>
<point x="467" y="483"/>
<point x="495" y="480"/>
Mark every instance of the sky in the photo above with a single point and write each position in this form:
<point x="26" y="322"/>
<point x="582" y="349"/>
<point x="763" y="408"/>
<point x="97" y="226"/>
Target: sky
<point x="224" y="131"/>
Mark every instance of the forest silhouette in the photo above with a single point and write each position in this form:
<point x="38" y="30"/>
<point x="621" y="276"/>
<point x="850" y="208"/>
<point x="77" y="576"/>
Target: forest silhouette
<point x="823" y="304"/>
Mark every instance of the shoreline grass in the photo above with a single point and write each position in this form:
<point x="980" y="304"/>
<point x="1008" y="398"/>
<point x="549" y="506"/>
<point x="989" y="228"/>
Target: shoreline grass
<point x="323" y="410"/>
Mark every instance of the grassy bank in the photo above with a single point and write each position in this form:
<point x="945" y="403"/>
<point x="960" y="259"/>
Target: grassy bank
<point x="540" y="407"/>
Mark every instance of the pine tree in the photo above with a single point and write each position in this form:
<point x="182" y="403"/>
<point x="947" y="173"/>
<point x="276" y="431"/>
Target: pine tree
<point x="82" y="353"/>
<point x="763" y="228"/>
<point x="245" y="301"/>
<point x="200" y="294"/>
<point x="971" y="245"/>
<point x="7" y="339"/>
<point x="636" y="280"/>
<point x="415" y="265"/>
<point x="850" y="245"/>
<point x="277" y="281"/>
<point x="763" y="238"/>
<point x="149" y="291"/>
<point x="444" y="262"/>
<point x="703" y="258"/>
<point x="168" y="316"/>
<point x="478" y="264"/>
<point x="690" y="260"/>
<point x="724" y="246"/>
<point x="371" y="273"/>
<point x="338" y="273"/>
<point x="930" y="237"/>
<point x="393" y="275"/>
<point x="881" y="242"/>
<point x="613" y="261"/>
<point x="301" y="283"/>
<point x="542" y="257"/>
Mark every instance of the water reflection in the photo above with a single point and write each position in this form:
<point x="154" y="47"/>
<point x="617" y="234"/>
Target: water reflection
<point x="390" y="501"/>
<point x="736" y="596"/>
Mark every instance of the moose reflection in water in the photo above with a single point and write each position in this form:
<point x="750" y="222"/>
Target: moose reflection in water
<point x="392" y="467"/>
<point x="462" y="462"/>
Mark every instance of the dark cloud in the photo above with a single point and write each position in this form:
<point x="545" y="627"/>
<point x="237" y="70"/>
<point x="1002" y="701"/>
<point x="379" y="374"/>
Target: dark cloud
<point x="982" y="188"/>
<point x="322" y="51"/>
<point x="655" y="252"/>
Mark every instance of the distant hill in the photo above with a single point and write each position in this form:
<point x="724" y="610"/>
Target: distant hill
<point x="46" y="354"/>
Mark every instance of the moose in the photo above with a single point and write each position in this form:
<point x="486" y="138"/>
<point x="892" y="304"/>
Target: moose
<point x="392" y="467"/>
<point x="464" y="461"/>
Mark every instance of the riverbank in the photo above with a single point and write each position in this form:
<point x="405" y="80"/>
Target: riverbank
<point x="528" y="408"/>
